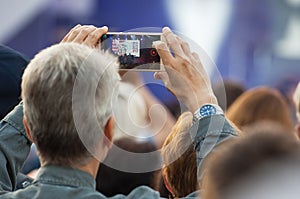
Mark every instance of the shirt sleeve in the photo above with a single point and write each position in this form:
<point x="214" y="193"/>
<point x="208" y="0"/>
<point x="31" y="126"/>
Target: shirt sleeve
<point x="14" y="148"/>
<point x="208" y="133"/>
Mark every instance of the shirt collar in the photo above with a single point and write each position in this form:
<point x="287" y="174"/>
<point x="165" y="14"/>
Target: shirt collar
<point x="65" y="176"/>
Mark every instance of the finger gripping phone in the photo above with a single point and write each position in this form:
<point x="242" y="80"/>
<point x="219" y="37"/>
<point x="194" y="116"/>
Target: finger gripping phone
<point x="134" y="50"/>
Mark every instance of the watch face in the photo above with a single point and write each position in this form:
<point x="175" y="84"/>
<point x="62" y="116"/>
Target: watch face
<point x="208" y="110"/>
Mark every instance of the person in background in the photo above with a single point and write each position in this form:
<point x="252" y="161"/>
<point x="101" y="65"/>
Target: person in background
<point x="131" y="114"/>
<point x="227" y="92"/>
<point x="140" y="115"/>
<point x="256" y="165"/>
<point x="110" y="181"/>
<point x="179" y="159"/>
<point x="12" y="65"/>
<point x="260" y="104"/>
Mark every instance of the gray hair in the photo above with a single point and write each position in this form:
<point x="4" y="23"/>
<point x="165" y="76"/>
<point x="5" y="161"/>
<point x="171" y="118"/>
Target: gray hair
<point x="63" y="87"/>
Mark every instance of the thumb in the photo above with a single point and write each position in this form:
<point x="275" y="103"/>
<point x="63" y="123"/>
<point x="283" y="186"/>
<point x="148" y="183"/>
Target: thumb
<point x="162" y="75"/>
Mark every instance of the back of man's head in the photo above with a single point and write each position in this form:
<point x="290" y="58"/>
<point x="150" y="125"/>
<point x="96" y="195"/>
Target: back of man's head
<point x="65" y="88"/>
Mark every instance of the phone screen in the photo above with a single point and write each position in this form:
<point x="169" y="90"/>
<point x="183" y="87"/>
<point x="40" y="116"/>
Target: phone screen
<point x="134" y="50"/>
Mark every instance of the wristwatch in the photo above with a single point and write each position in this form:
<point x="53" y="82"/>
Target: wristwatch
<point x="207" y="110"/>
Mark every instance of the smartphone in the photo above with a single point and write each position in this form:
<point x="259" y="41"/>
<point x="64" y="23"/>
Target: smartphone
<point x="134" y="50"/>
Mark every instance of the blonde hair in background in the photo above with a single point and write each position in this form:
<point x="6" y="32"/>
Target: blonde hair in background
<point x="181" y="173"/>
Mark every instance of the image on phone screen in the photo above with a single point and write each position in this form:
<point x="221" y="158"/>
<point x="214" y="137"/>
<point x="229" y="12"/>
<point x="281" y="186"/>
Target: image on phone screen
<point x="134" y="50"/>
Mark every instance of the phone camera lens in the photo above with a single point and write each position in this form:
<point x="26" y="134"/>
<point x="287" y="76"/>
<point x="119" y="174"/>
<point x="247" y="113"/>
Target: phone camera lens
<point x="153" y="52"/>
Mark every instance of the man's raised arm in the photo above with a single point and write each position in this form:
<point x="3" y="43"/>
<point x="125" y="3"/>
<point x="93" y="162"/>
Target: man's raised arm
<point x="187" y="79"/>
<point x="14" y="148"/>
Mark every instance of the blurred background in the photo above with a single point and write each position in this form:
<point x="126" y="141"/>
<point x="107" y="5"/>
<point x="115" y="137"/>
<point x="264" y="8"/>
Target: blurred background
<point x="253" y="42"/>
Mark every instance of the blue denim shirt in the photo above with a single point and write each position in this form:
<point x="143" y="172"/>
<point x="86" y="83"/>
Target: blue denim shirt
<point x="65" y="182"/>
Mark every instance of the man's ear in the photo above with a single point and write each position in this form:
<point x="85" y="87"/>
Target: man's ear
<point x="109" y="131"/>
<point x="27" y="129"/>
<point x="166" y="181"/>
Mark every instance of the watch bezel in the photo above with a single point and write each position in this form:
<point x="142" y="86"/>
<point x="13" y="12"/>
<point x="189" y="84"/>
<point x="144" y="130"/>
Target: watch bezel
<point x="205" y="114"/>
<point x="198" y="116"/>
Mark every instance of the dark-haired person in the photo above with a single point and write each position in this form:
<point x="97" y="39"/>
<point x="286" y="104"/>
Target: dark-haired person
<point x="227" y="92"/>
<point x="68" y="94"/>
<point x="12" y="65"/>
<point x="110" y="181"/>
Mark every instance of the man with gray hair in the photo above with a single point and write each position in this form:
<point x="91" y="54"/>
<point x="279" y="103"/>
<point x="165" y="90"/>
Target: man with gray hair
<point x="68" y="91"/>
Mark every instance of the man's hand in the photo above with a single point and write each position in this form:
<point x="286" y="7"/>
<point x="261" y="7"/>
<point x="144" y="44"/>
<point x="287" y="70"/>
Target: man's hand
<point x="88" y="35"/>
<point x="184" y="74"/>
